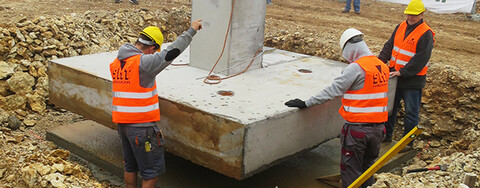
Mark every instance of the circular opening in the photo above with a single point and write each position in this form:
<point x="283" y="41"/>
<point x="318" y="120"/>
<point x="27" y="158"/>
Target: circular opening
<point x="304" y="71"/>
<point x="225" y="93"/>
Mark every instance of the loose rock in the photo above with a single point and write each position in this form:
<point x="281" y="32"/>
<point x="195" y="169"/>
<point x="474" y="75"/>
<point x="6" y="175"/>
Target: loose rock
<point x="14" y="123"/>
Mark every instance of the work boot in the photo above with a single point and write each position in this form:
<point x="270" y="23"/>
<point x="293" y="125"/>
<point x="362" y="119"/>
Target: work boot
<point x="357" y="12"/>
<point x="345" y="11"/>
<point x="118" y="1"/>
<point x="135" y="2"/>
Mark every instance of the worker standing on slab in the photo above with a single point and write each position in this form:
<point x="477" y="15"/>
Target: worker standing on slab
<point x="364" y="87"/>
<point x="135" y="101"/>
<point x="408" y="50"/>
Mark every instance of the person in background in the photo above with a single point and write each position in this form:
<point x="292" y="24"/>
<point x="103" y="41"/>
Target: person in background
<point x="356" y="6"/>
<point x="364" y="87"/>
<point x="135" y="107"/>
<point x="408" y="50"/>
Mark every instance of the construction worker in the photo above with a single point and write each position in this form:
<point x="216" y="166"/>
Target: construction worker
<point x="135" y="101"/>
<point x="356" y="6"/>
<point x="364" y="87"/>
<point x="408" y="50"/>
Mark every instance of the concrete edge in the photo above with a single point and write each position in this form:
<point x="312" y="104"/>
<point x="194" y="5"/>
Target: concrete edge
<point x="84" y="154"/>
<point x="278" y="161"/>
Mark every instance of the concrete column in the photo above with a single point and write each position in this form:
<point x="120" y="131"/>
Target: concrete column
<point x="244" y="38"/>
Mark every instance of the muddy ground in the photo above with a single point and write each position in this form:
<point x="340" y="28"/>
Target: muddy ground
<point x="451" y="102"/>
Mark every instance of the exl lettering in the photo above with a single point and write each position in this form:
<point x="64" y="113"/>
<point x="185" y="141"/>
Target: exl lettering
<point x="119" y="74"/>
<point x="379" y="78"/>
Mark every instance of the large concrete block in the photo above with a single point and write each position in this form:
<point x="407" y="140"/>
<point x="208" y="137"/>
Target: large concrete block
<point x="237" y="134"/>
<point x="244" y="38"/>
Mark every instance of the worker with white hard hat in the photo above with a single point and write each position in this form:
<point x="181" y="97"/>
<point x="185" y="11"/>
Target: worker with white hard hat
<point x="408" y="51"/>
<point x="363" y="86"/>
<point x="135" y="106"/>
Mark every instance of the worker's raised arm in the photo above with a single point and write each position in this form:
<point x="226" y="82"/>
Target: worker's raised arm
<point x="153" y="64"/>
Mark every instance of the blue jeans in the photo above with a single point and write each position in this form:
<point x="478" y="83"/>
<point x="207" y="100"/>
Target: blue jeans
<point x="411" y="99"/>
<point x="356" y="5"/>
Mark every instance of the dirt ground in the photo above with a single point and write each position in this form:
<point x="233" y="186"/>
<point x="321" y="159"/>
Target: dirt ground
<point x="457" y="37"/>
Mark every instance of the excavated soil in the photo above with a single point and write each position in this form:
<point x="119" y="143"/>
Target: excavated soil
<point x="450" y="107"/>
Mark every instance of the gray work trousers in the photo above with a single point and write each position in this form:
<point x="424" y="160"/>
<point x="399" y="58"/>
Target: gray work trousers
<point x="360" y="147"/>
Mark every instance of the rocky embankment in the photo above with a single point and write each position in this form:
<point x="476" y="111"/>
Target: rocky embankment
<point x="27" y="46"/>
<point x="450" y="111"/>
<point x="458" y="164"/>
<point x="27" y="160"/>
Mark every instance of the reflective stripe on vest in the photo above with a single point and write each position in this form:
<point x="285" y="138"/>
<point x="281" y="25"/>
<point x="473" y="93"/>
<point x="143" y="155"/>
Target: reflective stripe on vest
<point x="365" y="109"/>
<point x="132" y="95"/>
<point x="132" y="103"/>
<point x="404" y="48"/>
<point x="365" y="96"/>
<point x="369" y="104"/>
<point x="135" y="109"/>
<point x="402" y="52"/>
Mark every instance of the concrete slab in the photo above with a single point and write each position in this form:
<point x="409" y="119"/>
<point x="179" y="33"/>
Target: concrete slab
<point x="237" y="135"/>
<point x="91" y="141"/>
<point x="101" y="146"/>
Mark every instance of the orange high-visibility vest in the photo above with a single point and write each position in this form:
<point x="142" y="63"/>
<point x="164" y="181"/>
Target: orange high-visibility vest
<point x="132" y="103"/>
<point x="369" y="104"/>
<point x="404" y="48"/>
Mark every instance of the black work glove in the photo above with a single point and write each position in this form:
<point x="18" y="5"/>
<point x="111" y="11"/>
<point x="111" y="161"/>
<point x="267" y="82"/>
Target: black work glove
<point x="296" y="103"/>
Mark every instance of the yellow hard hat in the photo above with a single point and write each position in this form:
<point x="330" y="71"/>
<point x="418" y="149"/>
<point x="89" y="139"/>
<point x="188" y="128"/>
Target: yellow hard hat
<point x="154" y="34"/>
<point x="415" y="7"/>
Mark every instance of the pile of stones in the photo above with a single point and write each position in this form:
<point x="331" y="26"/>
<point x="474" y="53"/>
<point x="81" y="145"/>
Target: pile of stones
<point x="458" y="164"/>
<point x="27" y="45"/>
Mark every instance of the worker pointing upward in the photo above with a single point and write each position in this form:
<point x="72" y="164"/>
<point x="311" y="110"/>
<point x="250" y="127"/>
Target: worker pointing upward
<point x="408" y="50"/>
<point x="135" y="101"/>
<point x="364" y="87"/>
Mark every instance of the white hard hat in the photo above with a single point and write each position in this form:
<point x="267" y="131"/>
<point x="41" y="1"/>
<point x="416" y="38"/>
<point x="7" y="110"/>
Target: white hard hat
<point x="347" y="35"/>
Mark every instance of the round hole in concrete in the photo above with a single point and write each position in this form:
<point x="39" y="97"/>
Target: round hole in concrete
<point x="304" y="71"/>
<point x="225" y="93"/>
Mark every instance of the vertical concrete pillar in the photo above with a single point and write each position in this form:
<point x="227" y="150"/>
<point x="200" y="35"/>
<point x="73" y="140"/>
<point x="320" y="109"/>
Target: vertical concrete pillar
<point x="244" y="38"/>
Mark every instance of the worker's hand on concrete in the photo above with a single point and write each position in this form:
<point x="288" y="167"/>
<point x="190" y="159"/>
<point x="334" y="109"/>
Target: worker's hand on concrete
<point x="395" y="73"/>
<point x="296" y="103"/>
<point x="197" y="25"/>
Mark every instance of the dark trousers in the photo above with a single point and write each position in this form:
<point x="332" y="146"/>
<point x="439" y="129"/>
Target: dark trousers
<point x="411" y="99"/>
<point x="360" y="147"/>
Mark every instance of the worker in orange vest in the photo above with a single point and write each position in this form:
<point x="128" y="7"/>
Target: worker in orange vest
<point x="408" y="50"/>
<point x="364" y="87"/>
<point x="135" y="101"/>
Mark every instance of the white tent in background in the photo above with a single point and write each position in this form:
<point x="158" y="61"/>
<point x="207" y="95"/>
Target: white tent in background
<point x="443" y="6"/>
